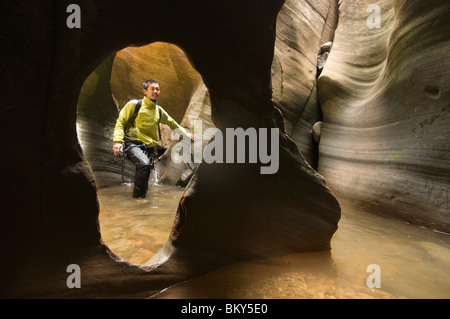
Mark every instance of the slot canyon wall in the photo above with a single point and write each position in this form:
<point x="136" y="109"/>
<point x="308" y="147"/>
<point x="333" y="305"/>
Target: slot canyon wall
<point x="382" y="97"/>
<point x="385" y="98"/>
<point x="302" y="28"/>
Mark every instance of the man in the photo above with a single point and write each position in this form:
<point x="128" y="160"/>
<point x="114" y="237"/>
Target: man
<point x="141" y="136"/>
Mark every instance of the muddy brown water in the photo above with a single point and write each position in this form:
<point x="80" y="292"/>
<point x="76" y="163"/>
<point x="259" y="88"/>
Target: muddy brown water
<point x="413" y="262"/>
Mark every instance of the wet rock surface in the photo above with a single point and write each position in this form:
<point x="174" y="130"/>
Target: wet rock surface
<point x="302" y="29"/>
<point x="384" y="93"/>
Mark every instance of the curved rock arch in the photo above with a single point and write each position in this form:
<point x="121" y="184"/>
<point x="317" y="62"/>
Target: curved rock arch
<point x="59" y="226"/>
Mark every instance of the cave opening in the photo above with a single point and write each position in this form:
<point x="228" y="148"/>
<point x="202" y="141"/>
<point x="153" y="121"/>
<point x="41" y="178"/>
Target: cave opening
<point x="133" y="229"/>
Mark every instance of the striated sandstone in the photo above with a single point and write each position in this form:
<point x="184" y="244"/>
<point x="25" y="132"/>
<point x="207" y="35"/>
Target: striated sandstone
<point x="302" y="28"/>
<point x="384" y="93"/>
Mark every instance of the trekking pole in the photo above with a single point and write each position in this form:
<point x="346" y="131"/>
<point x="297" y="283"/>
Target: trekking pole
<point x="154" y="158"/>
<point x="122" y="154"/>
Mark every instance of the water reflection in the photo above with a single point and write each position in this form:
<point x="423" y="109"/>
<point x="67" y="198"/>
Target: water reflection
<point x="135" y="229"/>
<point x="414" y="262"/>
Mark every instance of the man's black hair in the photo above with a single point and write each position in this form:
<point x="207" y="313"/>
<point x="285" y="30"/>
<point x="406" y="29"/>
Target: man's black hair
<point x="147" y="82"/>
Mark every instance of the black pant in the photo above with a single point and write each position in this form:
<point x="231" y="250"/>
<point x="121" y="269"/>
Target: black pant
<point x="140" y="156"/>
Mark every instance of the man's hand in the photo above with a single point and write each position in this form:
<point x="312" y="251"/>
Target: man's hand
<point x="117" y="148"/>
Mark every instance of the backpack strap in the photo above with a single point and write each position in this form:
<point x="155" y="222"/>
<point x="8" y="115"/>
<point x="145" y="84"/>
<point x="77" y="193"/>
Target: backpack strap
<point x="159" y="120"/>
<point x="132" y="120"/>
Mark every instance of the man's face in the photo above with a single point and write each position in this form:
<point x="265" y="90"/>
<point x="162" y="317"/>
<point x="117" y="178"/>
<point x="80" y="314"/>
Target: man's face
<point x="152" y="91"/>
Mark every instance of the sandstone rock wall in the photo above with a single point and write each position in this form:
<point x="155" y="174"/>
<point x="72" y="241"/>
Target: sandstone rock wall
<point x="198" y="119"/>
<point x="302" y="27"/>
<point x="384" y="93"/>
<point x="163" y="62"/>
<point x="96" y="117"/>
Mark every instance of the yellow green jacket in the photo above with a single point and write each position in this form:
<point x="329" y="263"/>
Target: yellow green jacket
<point x="146" y="129"/>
